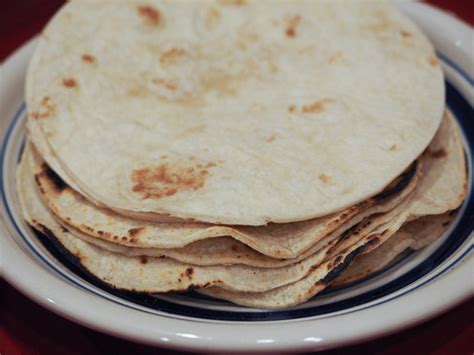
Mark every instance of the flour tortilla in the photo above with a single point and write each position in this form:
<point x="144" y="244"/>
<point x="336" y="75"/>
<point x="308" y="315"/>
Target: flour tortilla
<point x="414" y="235"/>
<point x="289" y="241"/>
<point x="156" y="274"/>
<point x="232" y="114"/>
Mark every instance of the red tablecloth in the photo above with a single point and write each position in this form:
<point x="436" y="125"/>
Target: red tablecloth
<point x="26" y="328"/>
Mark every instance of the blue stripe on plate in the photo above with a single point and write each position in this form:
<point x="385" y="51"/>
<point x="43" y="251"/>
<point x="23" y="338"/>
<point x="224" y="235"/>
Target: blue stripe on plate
<point x="462" y="110"/>
<point x="456" y="67"/>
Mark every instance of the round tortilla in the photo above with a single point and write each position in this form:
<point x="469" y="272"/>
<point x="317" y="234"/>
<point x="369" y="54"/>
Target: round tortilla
<point x="232" y="113"/>
<point x="291" y="240"/>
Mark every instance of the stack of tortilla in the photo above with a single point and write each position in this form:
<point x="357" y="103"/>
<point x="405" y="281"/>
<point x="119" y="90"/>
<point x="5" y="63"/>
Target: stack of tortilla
<point x="252" y="152"/>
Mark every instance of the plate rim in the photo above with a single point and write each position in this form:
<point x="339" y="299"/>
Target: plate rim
<point x="69" y="307"/>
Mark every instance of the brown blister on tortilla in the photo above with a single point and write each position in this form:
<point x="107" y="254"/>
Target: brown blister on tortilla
<point x="169" y="84"/>
<point x="335" y="57"/>
<point x="172" y="56"/>
<point x="231" y="2"/>
<point x="143" y="259"/>
<point x="272" y="137"/>
<point x="382" y="24"/>
<point x="433" y="60"/>
<point x="325" y="178"/>
<point x="405" y="34"/>
<point x="318" y="106"/>
<point x="167" y="179"/>
<point x="150" y="15"/>
<point x="46" y="109"/>
<point x="88" y="58"/>
<point x="70" y="83"/>
<point x="138" y="91"/>
<point x="346" y="215"/>
<point x="291" y="27"/>
<point x="134" y="232"/>
<point x="212" y="18"/>
<point x="104" y="234"/>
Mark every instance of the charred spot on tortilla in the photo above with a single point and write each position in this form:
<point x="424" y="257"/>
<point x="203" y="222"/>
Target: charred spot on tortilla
<point x="104" y="234"/>
<point x="376" y="239"/>
<point x="342" y="266"/>
<point x="39" y="184"/>
<point x="143" y="259"/>
<point x="337" y="260"/>
<point x="73" y="263"/>
<point x="133" y="232"/>
<point x="399" y="183"/>
<point x="58" y="183"/>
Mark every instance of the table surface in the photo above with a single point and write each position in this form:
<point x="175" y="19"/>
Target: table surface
<point x="26" y="328"/>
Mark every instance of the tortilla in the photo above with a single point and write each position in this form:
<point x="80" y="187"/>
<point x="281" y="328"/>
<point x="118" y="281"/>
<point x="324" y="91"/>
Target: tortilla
<point x="232" y="114"/>
<point x="276" y="240"/>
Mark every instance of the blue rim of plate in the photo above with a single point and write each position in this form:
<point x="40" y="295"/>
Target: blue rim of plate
<point x="461" y="109"/>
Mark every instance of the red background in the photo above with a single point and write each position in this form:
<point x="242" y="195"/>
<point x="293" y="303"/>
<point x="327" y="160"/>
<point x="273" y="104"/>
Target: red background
<point x="26" y="328"/>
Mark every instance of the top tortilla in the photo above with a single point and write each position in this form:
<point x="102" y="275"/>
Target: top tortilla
<point x="232" y="111"/>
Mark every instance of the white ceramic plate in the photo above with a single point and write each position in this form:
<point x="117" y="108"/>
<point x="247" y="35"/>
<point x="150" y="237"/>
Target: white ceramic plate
<point x="419" y="285"/>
